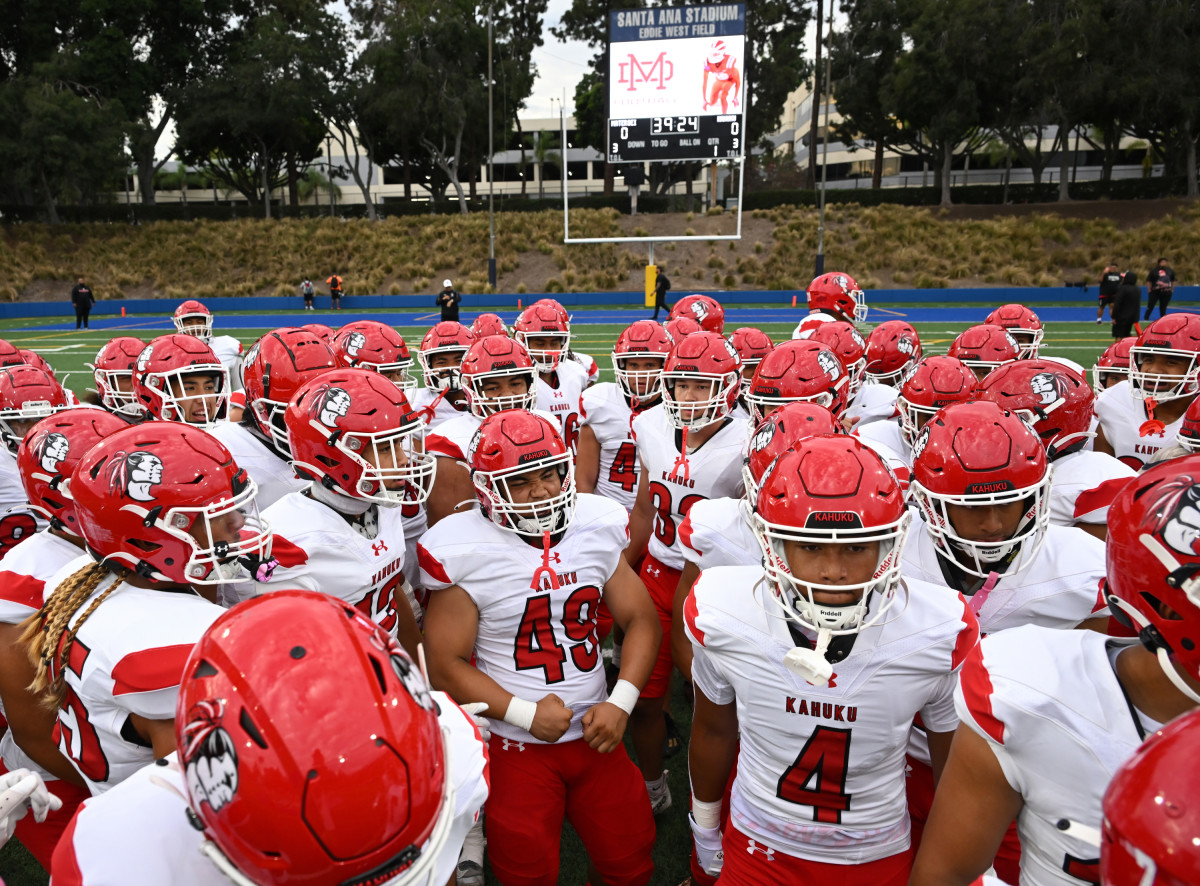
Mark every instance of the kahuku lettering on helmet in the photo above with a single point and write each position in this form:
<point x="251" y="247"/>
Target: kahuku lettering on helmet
<point x="355" y="342"/>
<point x="51" y="449"/>
<point x="762" y="437"/>
<point x="209" y="756"/>
<point x="1176" y="515"/>
<point x="829" y="364"/>
<point x="134" y="474"/>
<point x="331" y="404"/>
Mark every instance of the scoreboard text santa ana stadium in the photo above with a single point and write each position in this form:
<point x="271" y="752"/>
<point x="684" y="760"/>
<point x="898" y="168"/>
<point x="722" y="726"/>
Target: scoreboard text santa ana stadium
<point x="676" y="83"/>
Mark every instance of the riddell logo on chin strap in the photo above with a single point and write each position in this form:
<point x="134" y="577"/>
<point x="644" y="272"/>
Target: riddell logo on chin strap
<point x="657" y="71"/>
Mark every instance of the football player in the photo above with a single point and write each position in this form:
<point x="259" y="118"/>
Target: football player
<point x="868" y="401"/>
<point x="1023" y="325"/>
<point x="984" y="347"/>
<point x="441" y="355"/>
<point x="706" y="311"/>
<point x="1141" y="415"/>
<point x="192" y="318"/>
<point x="893" y="347"/>
<point x="310" y="748"/>
<point x="1113" y="365"/>
<point x="584" y="360"/>
<point x="752" y="345"/>
<point x="833" y="296"/>
<point x="512" y="623"/>
<point x="376" y="347"/>
<point x="112" y="373"/>
<point x="167" y="518"/>
<point x="854" y="653"/>
<point x="178" y="378"/>
<point x="690" y="448"/>
<point x="1049" y="715"/>
<point x="546" y="335"/>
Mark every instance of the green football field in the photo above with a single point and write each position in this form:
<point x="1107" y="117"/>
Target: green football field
<point x="69" y="351"/>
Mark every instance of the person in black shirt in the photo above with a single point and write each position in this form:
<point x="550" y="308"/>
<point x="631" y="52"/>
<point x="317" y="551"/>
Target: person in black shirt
<point x="1126" y="306"/>
<point x="1161" y="287"/>
<point x="82" y="299"/>
<point x="448" y="300"/>
<point x="661" y="285"/>
<point x="1110" y="279"/>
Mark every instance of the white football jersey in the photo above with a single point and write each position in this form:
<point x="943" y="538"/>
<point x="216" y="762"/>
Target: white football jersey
<point x="17" y="522"/>
<point x="1050" y="707"/>
<point x="229" y="351"/>
<point x="318" y="550"/>
<point x="564" y="402"/>
<point x="716" y="532"/>
<point x="885" y="438"/>
<point x="608" y="414"/>
<point x="533" y="640"/>
<point x="273" y="476"/>
<point x="1084" y="485"/>
<point x="873" y="403"/>
<point x="24" y="572"/>
<point x="1121" y="416"/>
<point x="589" y="366"/>
<point x="1059" y="589"/>
<point x="712" y="471"/>
<point x="444" y="410"/>
<point x="138" y="834"/>
<point x="820" y="769"/>
<point x="127" y="658"/>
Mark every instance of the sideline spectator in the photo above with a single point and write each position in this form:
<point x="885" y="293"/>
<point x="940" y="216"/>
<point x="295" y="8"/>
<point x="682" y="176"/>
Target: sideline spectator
<point x="448" y="300"/>
<point x="661" y="284"/>
<point x="335" y="291"/>
<point x="1161" y="288"/>
<point x="82" y="299"/>
<point x="1126" y="306"/>
<point x="308" y="291"/>
<point x="1110" y="279"/>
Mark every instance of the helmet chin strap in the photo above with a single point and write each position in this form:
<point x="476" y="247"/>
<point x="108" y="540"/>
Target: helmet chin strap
<point x="1164" y="661"/>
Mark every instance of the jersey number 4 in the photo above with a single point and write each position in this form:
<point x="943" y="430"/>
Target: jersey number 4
<point x="818" y="777"/>
<point x="624" y="472"/>
<point x="537" y="643"/>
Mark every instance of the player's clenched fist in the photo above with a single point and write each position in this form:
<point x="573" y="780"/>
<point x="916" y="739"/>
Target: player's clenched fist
<point x="604" y="726"/>
<point x="552" y="719"/>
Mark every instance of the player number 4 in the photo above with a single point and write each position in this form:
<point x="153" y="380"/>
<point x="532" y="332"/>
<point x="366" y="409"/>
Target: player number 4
<point x="818" y="777"/>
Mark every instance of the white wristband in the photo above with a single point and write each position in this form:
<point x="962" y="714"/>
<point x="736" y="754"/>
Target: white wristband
<point x="520" y="713"/>
<point x="624" y="696"/>
<point x="706" y="815"/>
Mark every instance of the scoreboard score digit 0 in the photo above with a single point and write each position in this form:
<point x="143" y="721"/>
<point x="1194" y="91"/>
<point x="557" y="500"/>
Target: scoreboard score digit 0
<point x="676" y="83"/>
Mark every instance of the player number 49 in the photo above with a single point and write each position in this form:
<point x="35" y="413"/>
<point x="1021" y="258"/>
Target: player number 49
<point x="537" y="644"/>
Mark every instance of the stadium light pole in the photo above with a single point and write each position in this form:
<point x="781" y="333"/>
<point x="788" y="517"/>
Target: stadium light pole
<point x="820" y="264"/>
<point x="491" y="167"/>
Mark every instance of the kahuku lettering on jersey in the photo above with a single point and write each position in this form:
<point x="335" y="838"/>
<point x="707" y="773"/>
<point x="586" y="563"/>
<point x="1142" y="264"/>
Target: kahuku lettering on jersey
<point x="540" y="639"/>
<point x="565" y="401"/>
<point x="1050" y="707"/>
<point x="820" y="770"/>
<point x="608" y="414"/>
<point x="1084" y="484"/>
<point x="714" y="471"/>
<point x="1121" y="417"/>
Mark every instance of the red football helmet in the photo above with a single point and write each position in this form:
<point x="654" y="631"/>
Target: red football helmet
<point x="167" y="501"/>
<point x="838" y="294"/>
<point x="976" y="454"/>
<point x="932" y="383"/>
<point x="798" y="369"/>
<point x="752" y="345"/>
<point x="1173" y="337"/>
<point x="448" y="338"/>
<point x="706" y="365"/>
<point x="162" y="372"/>
<point x="544" y="322"/>
<point x="516" y="442"/>
<point x="488" y="324"/>
<point x="491" y="360"/>
<point x="1113" y="365"/>
<point x="849" y="345"/>
<point x="112" y="372"/>
<point x="1189" y="430"/>
<point x="352" y="431"/>
<point x="830" y="490"/>
<point x="36" y="360"/>
<point x="892" y="348"/>
<point x="49" y="453"/>
<point x="681" y="327"/>
<point x="1051" y="397"/>
<point x="311" y="747"/>
<point x="555" y="306"/>
<point x="984" y="347"/>
<point x="1153" y="567"/>
<point x="643" y="339"/>
<point x="1022" y="324"/>
<point x="783" y="429"/>
<point x="9" y="354"/>
<point x="1151" y="817"/>
<point x="192" y="318"/>
<point x="320" y="330"/>
<point x="275" y="368"/>
<point x="26" y="395"/>
<point x="376" y="347"/>
<point x="704" y="310"/>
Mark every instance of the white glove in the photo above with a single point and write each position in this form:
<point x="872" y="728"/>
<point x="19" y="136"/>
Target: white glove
<point x="708" y="848"/>
<point x="21" y="790"/>
<point x="483" y="724"/>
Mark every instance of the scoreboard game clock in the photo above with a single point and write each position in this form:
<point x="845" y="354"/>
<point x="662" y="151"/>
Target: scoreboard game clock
<point x="676" y="83"/>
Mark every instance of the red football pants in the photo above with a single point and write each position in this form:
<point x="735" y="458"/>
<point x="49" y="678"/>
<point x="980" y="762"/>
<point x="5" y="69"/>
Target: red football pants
<point x="750" y="863"/>
<point x="661" y="581"/>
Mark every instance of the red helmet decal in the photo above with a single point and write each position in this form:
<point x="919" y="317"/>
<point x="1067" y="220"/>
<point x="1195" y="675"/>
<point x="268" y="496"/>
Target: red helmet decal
<point x="135" y="474"/>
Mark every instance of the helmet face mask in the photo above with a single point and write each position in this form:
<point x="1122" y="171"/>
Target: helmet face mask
<point x="27" y="395"/>
<point x="441" y="354"/>
<point x="1023" y="325"/>
<point x="695" y="401"/>
<point x="1183" y="381"/>
<point x="196" y="395"/>
<point x="224" y="535"/>
<point x="647" y="345"/>
<point x="497" y="374"/>
<point x="192" y="318"/>
<point x="1112" y="366"/>
<point x="545" y="330"/>
<point x="375" y="347"/>
<point x="112" y="373"/>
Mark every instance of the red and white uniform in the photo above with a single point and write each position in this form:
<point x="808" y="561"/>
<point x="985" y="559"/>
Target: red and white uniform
<point x="1121" y="417"/>
<point x="873" y="403"/>
<point x="820" y="770"/>
<point x="318" y="550"/>
<point x="17" y="523"/>
<point x="444" y="411"/>
<point x="589" y="366"/>
<point x="1059" y="589"/>
<point x="127" y="658"/>
<point x="530" y="641"/>
<point x="229" y="351"/>
<point x="453" y="438"/>
<point x="1084" y="485"/>
<point x="565" y="401"/>
<point x="716" y="532"/>
<point x="1050" y="707"/>
<point x="274" y="476"/>
<point x="138" y="834"/>
<point x="609" y="415"/>
<point x="885" y="438"/>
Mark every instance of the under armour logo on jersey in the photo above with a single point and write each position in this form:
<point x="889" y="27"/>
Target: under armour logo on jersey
<point x="506" y="743"/>
<point x="752" y="847"/>
<point x="554" y="557"/>
<point x="654" y="570"/>
<point x="378" y="547"/>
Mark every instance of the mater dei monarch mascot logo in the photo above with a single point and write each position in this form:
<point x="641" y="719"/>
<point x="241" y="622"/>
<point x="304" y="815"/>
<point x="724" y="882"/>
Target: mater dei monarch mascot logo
<point x="330" y="405"/>
<point x="209" y="756"/>
<point x="51" y="449"/>
<point x="135" y="474"/>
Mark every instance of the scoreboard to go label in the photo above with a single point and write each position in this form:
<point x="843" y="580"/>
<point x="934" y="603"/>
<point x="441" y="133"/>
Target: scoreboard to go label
<point x="676" y="83"/>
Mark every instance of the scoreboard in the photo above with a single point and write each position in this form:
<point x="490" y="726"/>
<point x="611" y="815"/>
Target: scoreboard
<point x="676" y="83"/>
